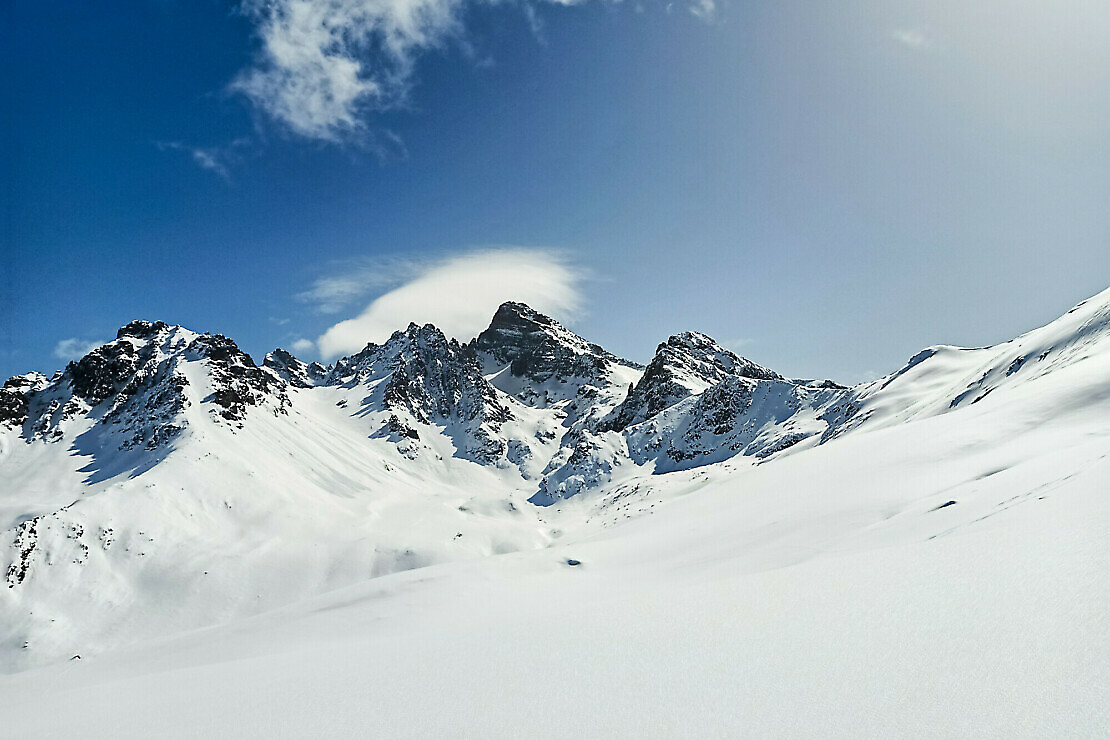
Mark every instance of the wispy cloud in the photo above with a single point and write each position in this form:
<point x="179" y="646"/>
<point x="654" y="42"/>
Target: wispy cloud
<point x="913" y="38"/>
<point x="302" y="346"/>
<point x="736" y="344"/>
<point x="216" y="159"/>
<point x="460" y="294"/>
<point x="348" y="282"/>
<point x="74" y="348"/>
<point x="323" y="66"/>
<point x="705" y="10"/>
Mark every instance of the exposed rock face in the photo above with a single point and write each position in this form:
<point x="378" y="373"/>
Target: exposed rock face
<point x="526" y="392"/>
<point x="406" y="438"/>
<point x="14" y="396"/>
<point x="542" y="364"/>
<point x="738" y="415"/>
<point x="149" y="408"/>
<point x="127" y="385"/>
<point x="539" y="347"/>
<point x="142" y="329"/>
<point x="104" y="371"/>
<point x="293" y="371"/>
<point x="436" y="381"/>
<point x="135" y="388"/>
<point x="237" y="382"/>
<point x="583" y="461"/>
<point x="26" y="538"/>
<point x="695" y="404"/>
<point x="435" y="378"/>
<point x="395" y="426"/>
<point x="684" y="365"/>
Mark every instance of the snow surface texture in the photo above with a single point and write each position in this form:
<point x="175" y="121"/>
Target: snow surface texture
<point x="291" y="551"/>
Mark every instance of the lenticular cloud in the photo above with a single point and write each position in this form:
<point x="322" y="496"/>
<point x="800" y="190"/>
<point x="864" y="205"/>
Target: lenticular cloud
<point x="459" y="295"/>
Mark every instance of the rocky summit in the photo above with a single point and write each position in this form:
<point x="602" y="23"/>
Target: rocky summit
<point x="526" y="394"/>
<point x="537" y="347"/>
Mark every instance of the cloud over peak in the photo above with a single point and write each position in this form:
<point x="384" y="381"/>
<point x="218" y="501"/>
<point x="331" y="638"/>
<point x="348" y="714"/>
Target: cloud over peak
<point x="74" y="348"/>
<point x="460" y="294"/>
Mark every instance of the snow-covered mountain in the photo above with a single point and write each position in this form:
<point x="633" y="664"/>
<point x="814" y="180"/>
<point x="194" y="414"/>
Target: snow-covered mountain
<point x="165" y="482"/>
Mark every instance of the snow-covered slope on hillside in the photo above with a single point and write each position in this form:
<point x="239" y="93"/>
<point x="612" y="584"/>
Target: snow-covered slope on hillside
<point x="696" y="403"/>
<point x="166" y="483"/>
<point x="945" y="576"/>
<point x="941" y="379"/>
<point x="160" y="485"/>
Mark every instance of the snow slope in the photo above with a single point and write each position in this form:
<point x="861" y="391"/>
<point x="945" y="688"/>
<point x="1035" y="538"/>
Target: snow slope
<point x="306" y="492"/>
<point x="934" y="562"/>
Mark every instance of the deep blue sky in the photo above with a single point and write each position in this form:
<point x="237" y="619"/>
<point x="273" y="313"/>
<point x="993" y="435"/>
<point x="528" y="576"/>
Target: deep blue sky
<point x="828" y="188"/>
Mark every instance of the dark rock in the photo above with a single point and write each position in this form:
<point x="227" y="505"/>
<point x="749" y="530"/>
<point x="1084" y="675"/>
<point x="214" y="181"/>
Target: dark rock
<point x="142" y="329"/>
<point x="103" y="372"/>
<point x="435" y="380"/>
<point x="293" y="371"/>
<point x="684" y="365"/>
<point x="15" y="395"/>
<point x="539" y="347"/>
<point x="400" y="428"/>
<point x="237" y="382"/>
<point x="26" y="540"/>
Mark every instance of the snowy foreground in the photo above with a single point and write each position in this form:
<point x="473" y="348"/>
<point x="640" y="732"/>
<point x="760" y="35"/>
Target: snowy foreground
<point x="940" y="569"/>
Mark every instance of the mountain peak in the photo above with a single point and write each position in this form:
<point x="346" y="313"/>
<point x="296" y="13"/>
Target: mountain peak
<point x="141" y="329"/>
<point x="514" y="313"/>
<point x="705" y="357"/>
<point x="684" y="365"/>
<point x="14" y="396"/>
<point x="435" y="380"/>
<point x="135" y="389"/>
<point x="537" y="346"/>
<point x="296" y="372"/>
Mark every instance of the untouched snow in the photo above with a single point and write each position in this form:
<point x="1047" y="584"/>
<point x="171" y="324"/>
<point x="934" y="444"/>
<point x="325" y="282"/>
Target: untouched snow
<point x="939" y="567"/>
<point x="725" y="613"/>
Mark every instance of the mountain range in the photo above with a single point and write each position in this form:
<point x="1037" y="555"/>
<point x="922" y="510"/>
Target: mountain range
<point x="167" y="482"/>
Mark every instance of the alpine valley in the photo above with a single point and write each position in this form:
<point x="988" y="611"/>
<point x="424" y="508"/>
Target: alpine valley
<point x="524" y="535"/>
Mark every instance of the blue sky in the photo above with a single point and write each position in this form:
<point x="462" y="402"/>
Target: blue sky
<point x="826" y="186"/>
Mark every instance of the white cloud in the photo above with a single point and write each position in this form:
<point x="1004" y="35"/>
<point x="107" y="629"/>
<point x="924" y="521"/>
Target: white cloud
<point x="303" y="346"/>
<point x="460" y="296"/>
<point x="914" y="38"/>
<point x="354" y="280"/>
<point x="705" y="10"/>
<point x="334" y="293"/>
<point x="208" y="159"/>
<point x="736" y="345"/>
<point x="215" y="159"/>
<point x="323" y="65"/>
<point x="74" y="348"/>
